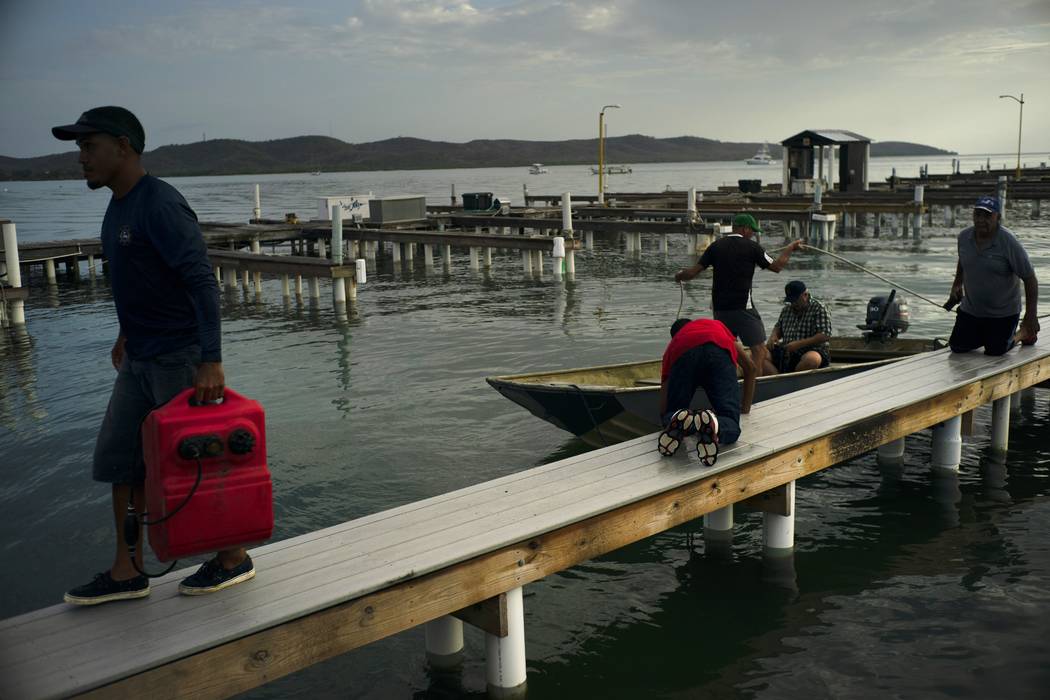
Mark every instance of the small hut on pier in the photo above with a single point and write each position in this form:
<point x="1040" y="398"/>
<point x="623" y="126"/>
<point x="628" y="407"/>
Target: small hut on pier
<point x="810" y="157"/>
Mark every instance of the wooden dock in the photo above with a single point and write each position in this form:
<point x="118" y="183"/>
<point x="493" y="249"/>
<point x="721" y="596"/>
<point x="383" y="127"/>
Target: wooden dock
<point x="470" y="552"/>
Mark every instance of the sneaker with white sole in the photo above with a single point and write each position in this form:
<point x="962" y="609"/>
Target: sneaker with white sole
<point x="680" y="425"/>
<point x="705" y="423"/>
<point x="103" y="589"/>
<point x="212" y="577"/>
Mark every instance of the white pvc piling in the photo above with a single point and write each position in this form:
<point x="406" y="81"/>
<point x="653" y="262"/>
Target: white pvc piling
<point x="558" y="255"/>
<point x="890" y="453"/>
<point x="257" y="211"/>
<point x="395" y="250"/>
<point x="474" y="264"/>
<point x="444" y="642"/>
<point x="257" y="277"/>
<point x="778" y="531"/>
<point x="946" y="451"/>
<point x="487" y="261"/>
<point x="690" y="204"/>
<point x="337" y="235"/>
<point x="447" y="255"/>
<point x="17" y="314"/>
<point x="917" y="218"/>
<point x="718" y="524"/>
<point x="286" y="289"/>
<point x="49" y="268"/>
<point x="505" y="656"/>
<point x="315" y="288"/>
<point x="299" y="286"/>
<point x="526" y="261"/>
<point x="1002" y="199"/>
<point x="428" y="255"/>
<point x="1001" y="423"/>
<point x="537" y="262"/>
<point x="566" y="214"/>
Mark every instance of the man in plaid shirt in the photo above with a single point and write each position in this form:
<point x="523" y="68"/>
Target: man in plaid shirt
<point x="800" y="338"/>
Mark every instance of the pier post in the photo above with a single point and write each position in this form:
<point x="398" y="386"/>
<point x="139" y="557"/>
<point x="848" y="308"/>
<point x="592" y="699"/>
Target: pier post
<point x="1036" y="208"/>
<point x="410" y="253"/>
<point x="949" y="216"/>
<point x="474" y="258"/>
<point x="453" y="194"/>
<point x="315" y="288"/>
<point x="92" y="270"/>
<point x="447" y="255"/>
<point x="690" y="204"/>
<point x="17" y="315"/>
<point x="557" y="256"/>
<point x="891" y="453"/>
<point x="778" y="531"/>
<point x="1001" y="423"/>
<point x="588" y="240"/>
<point x="524" y="195"/>
<point x="395" y="250"/>
<point x="917" y="217"/>
<point x="877" y="228"/>
<point x="338" y="287"/>
<point x="537" y="263"/>
<point x="946" y="451"/>
<point x="298" y="286"/>
<point x="505" y="656"/>
<point x="428" y="255"/>
<point x="1001" y="192"/>
<point x="257" y="211"/>
<point x="718" y="524"/>
<point x="286" y="288"/>
<point x="526" y="261"/>
<point x="566" y="214"/>
<point x="444" y="642"/>
<point x="256" y="248"/>
<point x="49" y="269"/>
<point x="487" y="260"/>
<point x="663" y="243"/>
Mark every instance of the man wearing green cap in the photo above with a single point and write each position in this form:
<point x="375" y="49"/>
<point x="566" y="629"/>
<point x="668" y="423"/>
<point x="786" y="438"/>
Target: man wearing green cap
<point x="734" y="259"/>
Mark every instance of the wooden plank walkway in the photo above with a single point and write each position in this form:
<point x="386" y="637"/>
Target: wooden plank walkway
<point x="329" y="591"/>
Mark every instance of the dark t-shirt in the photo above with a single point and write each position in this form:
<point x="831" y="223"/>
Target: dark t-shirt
<point x="733" y="259"/>
<point x="163" y="285"/>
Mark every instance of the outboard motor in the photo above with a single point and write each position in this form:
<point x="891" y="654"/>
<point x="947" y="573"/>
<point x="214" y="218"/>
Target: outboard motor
<point x="886" y="318"/>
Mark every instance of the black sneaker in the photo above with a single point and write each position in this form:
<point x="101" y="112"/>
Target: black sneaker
<point x="212" y="577"/>
<point x="103" y="589"/>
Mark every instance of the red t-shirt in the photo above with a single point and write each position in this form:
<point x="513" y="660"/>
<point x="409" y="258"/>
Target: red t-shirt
<point x="695" y="333"/>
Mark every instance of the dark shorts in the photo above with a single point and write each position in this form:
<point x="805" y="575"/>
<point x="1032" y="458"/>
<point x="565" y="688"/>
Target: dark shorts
<point x="971" y="332"/>
<point x="141" y="386"/>
<point x="787" y="362"/>
<point x="745" y="324"/>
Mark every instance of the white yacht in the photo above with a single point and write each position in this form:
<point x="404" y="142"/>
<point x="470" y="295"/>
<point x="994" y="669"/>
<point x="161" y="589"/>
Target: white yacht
<point x="762" y="157"/>
<point x="538" y="169"/>
<point x="612" y="169"/>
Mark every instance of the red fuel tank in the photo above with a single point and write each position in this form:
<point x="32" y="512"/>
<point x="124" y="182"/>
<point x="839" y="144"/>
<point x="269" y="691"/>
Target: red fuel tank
<point x="233" y="504"/>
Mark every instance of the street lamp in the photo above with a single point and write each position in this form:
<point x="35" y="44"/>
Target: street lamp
<point x="1020" y="116"/>
<point x="601" y="152"/>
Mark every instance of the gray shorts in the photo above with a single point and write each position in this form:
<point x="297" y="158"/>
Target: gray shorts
<point x="745" y="324"/>
<point x="141" y="386"/>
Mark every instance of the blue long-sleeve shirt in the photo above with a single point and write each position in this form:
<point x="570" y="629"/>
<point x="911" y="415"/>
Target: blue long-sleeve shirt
<point x="163" y="285"/>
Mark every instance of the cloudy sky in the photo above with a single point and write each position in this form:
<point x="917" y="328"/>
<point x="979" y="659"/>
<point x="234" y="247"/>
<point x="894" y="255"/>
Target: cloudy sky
<point x="928" y="71"/>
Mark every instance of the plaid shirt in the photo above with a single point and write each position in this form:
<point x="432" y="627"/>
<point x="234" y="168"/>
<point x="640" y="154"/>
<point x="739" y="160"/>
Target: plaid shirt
<point x="796" y="326"/>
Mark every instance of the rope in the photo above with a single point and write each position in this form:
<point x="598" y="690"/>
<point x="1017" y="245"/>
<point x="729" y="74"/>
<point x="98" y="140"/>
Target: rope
<point x="681" y="300"/>
<point x="875" y="274"/>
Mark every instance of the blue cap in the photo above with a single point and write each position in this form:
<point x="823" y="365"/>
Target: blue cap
<point x="988" y="204"/>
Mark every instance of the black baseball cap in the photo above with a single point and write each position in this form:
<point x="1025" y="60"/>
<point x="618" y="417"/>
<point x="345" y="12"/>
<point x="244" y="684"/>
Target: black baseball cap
<point x="115" y="121"/>
<point x="793" y="290"/>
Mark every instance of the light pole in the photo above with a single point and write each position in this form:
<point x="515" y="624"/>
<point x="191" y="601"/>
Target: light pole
<point x="601" y="152"/>
<point x="1020" y="116"/>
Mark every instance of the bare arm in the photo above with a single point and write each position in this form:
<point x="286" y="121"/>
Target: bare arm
<point x="781" y="262"/>
<point x="798" y="345"/>
<point x="688" y="273"/>
<point x="747" y="366"/>
<point x="956" y="293"/>
<point x="1030" y="323"/>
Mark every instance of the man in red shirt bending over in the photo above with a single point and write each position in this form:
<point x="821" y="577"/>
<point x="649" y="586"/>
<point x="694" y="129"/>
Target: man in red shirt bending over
<point x="703" y="354"/>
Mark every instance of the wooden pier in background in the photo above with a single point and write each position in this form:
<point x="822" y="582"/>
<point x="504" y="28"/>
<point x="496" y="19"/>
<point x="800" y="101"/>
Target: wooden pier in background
<point x="467" y="554"/>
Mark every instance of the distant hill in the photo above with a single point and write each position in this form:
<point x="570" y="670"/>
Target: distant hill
<point x="310" y="153"/>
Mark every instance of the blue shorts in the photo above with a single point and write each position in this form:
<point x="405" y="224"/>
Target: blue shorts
<point x="141" y="386"/>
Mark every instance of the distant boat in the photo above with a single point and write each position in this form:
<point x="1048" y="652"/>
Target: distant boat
<point x="762" y="157"/>
<point x="612" y="169"/>
<point x="316" y="172"/>
<point x="538" y="169"/>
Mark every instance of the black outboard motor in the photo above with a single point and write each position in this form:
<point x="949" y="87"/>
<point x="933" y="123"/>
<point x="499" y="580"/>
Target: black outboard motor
<point x="886" y="318"/>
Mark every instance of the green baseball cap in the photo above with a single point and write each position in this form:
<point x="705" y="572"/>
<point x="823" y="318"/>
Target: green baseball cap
<point x="746" y="220"/>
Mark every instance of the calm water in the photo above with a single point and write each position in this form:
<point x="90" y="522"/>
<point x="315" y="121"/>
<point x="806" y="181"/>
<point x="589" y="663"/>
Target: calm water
<point x="903" y="585"/>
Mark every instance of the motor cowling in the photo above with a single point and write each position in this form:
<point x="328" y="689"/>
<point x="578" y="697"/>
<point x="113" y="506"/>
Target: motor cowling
<point x="225" y="444"/>
<point x="886" y="317"/>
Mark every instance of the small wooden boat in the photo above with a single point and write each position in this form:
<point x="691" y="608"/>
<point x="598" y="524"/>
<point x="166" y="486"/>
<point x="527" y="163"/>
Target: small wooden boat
<point x="611" y="403"/>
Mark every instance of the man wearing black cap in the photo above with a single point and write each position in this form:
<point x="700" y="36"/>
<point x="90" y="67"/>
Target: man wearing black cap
<point x="992" y="265"/>
<point x="734" y="259"/>
<point x="167" y="304"/>
<point x="800" y="337"/>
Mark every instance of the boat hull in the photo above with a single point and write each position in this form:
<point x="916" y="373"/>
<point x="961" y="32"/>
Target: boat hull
<point x="609" y="404"/>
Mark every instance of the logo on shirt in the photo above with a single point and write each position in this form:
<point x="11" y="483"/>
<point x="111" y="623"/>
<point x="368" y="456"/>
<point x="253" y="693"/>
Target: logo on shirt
<point x="125" y="235"/>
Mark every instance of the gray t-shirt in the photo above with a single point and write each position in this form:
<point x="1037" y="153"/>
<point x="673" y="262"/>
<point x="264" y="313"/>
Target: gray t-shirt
<point x="992" y="276"/>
